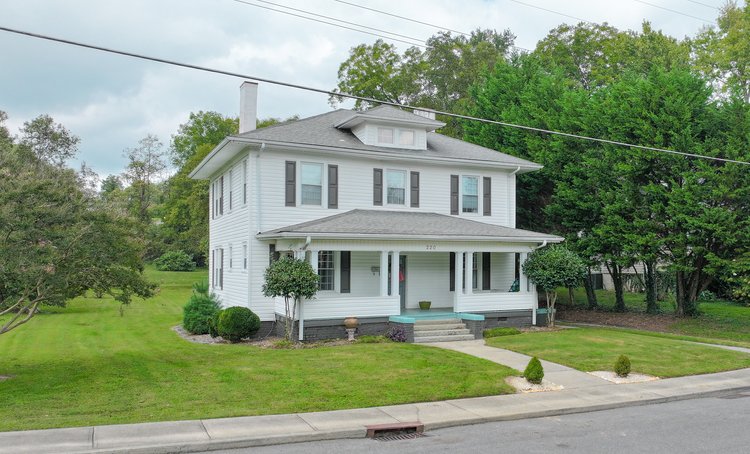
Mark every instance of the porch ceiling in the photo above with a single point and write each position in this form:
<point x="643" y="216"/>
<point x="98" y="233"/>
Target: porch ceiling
<point x="382" y="224"/>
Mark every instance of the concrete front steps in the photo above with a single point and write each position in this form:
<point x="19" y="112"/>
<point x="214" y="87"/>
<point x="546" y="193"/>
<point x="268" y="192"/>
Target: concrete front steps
<point x="441" y="331"/>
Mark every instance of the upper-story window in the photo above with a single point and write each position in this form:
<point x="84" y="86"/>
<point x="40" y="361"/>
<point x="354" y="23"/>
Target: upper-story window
<point x="385" y="135"/>
<point x="470" y="194"/>
<point x="406" y="137"/>
<point x="312" y="184"/>
<point x="395" y="187"/>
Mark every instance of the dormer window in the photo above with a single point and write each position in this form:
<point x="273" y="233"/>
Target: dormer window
<point x="406" y="137"/>
<point x="385" y="135"/>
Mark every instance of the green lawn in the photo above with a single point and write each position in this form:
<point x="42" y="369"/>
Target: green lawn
<point x="590" y="349"/>
<point x="724" y="320"/>
<point x="87" y="365"/>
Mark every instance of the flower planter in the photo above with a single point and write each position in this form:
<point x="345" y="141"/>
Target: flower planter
<point x="425" y="305"/>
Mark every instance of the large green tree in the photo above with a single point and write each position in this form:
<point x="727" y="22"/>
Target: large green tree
<point x="57" y="242"/>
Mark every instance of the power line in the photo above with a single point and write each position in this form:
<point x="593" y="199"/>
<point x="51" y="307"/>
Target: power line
<point x="403" y="17"/>
<point x="330" y="23"/>
<point x="337" y="20"/>
<point x="553" y="11"/>
<point x="439" y="27"/>
<point x="675" y="11"/>
<point x="704" y="4"/>
<point x="362" y="98"/>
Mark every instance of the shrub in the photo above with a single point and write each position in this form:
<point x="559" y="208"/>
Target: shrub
<point x="397" y="334"/>
<point x="622" y="366"/>
<point x="199" y="310"/>
<point x="498" y="332"/>
<point x="237" y="323"/>
<point x="213" y="324"/>
<point x="372" y="339"/>
<point x="175" y="261"/>
<point x="534" y="372"/>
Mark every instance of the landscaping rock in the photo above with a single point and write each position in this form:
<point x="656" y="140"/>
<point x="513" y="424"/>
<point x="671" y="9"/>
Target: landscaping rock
<point x="523" y="386"/>
<point x="631" y="378"/>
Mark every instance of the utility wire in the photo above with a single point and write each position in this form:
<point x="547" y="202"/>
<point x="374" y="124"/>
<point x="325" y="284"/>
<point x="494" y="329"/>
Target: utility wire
<point x="553" y="11"/>
<point x="675" y="11"/>
<point x="403" y="17"/>
<point x="704" y="4"/>
<point x="331" y="23"/>
<point x="439" y="27"/>
<point x="338" y="20"/>
<point x="362" y="98"/>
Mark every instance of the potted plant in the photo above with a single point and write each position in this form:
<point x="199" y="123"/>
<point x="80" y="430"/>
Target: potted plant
<point x="425" y="305"/>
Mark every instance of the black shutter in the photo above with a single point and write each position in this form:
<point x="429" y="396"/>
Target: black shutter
<point x="291" y="184"/>
<point x="213" y="269"/>
<point x="454" y="194"/>
<point x="333" y="186"/>
<point x="221" y="268"/>
<point x="377" y="187"/>
<point x="414" y="184"/>
<point x="213" y="200"/>
<point x="346" y="271"/>
<point x="221" y="195"/>
<point x="452" y="273"/>
<point x="487" y="199"/>
<point x="486" y="270"/>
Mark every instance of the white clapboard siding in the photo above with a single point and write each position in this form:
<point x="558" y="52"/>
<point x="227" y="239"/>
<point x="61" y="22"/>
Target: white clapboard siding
<point x="341" y="306"/>
<point x="495" y="301"/>
<point x="502" y="270"/>
<point x="427" y="278"/>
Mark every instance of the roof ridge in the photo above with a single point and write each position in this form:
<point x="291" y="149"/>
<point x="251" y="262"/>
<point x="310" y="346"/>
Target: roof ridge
<point x="288" y="122"/>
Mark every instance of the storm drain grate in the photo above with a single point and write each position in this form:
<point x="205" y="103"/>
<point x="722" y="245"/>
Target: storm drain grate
<point x="397" y="431"/>
<point x="399" y="436"/>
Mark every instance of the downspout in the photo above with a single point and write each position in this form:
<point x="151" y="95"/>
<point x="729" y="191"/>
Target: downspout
<point x="513" y="209"/>
<point x="301" y="328"/>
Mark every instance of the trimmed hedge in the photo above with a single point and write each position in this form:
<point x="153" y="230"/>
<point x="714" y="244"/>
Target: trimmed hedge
<point x="236" y="323"/>
<point x="622" y="366"/>
<point x="498" y="332"/>
<point x="534" y="372"/>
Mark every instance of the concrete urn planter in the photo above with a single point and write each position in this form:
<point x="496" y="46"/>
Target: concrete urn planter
<point x="351" y="322"/>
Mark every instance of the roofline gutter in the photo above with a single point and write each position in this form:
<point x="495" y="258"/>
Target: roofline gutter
<point x="376" y="154"/>
<point x="308" y="236"/>
<point x="210" y="155"/>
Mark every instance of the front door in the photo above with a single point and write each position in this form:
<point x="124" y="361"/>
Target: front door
<point x="402" y="281"/>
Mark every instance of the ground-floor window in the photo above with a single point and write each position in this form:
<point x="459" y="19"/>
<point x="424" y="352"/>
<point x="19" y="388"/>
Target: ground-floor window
<point x="326" y="270"/>
<point x="217" y="268"/>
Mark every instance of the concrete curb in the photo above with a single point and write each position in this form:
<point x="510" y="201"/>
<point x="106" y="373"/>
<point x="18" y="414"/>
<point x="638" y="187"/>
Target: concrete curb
<point x="249" y="442"/>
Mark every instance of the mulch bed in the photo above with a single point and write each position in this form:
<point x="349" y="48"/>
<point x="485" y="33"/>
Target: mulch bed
<point x="635" y="320"/>
<point x="266" y="342"/>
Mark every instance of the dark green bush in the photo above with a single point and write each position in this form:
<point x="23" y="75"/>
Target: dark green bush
<point x="497" y="332"/>
<point x="622" y="366"/>
<point x="199" y="310"/>
<point x="237" y="323"/>
<point x="175" y="261"/>
<point x="534" y="372"/>
<point x="213" y="324"/>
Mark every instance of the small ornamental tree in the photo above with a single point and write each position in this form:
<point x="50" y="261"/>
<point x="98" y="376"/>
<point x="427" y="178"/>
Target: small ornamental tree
<point x="294" y="280"/>
<point x="552" y="267"/>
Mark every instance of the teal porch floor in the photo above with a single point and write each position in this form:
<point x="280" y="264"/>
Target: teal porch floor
<point x="412" y="315"/>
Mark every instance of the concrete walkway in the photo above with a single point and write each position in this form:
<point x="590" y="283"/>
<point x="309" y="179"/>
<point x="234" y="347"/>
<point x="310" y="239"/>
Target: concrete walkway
<point x="582" y="393"/>
<point x="555" y="373"/>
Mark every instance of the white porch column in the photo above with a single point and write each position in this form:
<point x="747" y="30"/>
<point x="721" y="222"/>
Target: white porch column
<point x="457" y="279"/>
<point x="383" y="273"/>
<point x="395" y="272"/>
<point x="469" y="274"/>
<point x="524" y="280"/>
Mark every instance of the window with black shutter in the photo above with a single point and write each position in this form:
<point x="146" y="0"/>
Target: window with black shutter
<point x="487" y="198"/>
<point x="346" y="271"/>
<point x="414" y="189"/>
<point x="377" y="187"/>
<point x="486" y="270"/>
<point x="290" y="192"/>
<point x="333" y="186"/>
<point x="454" y="194"/>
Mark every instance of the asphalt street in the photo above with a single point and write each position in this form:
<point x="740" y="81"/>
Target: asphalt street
<point x="705" y="425"/>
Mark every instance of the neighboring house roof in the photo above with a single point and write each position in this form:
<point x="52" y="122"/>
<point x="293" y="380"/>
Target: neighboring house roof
<point x="321" y="131"/>
<point x="406" y="225"/>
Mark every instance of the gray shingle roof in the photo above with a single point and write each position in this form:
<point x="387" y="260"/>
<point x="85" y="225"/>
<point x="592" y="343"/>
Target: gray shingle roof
<point x="320" y="130"/>
<point x="406" y="224"/>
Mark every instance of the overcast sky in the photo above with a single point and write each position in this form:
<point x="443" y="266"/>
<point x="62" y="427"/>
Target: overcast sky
<point x="111" y="102"/>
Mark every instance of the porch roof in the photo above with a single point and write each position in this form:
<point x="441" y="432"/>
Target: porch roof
<point x="383" y="224"/>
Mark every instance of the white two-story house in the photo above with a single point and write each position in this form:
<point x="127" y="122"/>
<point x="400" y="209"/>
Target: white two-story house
<point x="387" y="211"/>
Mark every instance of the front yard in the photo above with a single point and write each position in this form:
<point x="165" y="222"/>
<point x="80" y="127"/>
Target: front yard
<point x="591" y="349"/>
<point x="87" y="365"/>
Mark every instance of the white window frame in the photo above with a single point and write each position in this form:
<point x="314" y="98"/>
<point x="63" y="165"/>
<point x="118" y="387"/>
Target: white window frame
<point x="384" y="129"/>
<point x="332" y="270"/>
<point x="475" y="270"/>
<point x="231" y="258"/>
<point x="244" y="183"/>
<point x="461" y="195"/>
<point x="231" y="191"/>
<point x="322" y="184"/>
<point x="405" y="173"/>
<point x="218" y="268"/>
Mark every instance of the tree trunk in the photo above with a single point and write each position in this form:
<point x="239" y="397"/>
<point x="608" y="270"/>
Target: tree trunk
<point x="679" y="294"/>
<point x="571" y="296"/>
<point x="551" y="299"/>
<point x="588" y="284"/>
<point x="616" y="272"/>
<point x="652" y="307"/>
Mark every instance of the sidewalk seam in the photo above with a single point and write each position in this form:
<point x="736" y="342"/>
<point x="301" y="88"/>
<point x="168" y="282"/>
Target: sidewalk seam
<point x="306" y="422"/>
<point x="205" y="430"/>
